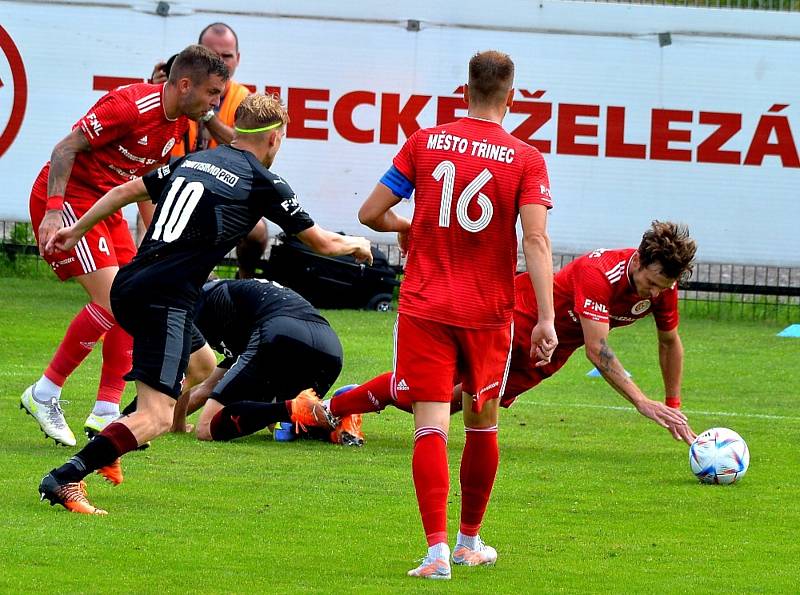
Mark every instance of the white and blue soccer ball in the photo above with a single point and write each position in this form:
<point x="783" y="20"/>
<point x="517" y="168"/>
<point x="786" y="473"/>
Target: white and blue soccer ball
<point x="719" y="455"/>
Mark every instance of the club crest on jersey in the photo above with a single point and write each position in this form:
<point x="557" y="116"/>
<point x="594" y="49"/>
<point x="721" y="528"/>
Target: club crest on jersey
<point x="640" y="307"/>
<point x="168" y="147"/>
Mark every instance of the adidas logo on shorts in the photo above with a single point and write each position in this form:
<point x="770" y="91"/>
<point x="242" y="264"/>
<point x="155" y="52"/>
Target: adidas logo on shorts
<point x="402" y="385"/>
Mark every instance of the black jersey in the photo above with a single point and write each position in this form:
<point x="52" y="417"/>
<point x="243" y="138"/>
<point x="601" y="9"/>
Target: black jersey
<point x="205" y="203"/>
<point x="229" y="311"/>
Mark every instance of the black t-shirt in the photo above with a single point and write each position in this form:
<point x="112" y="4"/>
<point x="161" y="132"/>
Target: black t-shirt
<point x="229" y="311"/>
<point x="205" y="203"/>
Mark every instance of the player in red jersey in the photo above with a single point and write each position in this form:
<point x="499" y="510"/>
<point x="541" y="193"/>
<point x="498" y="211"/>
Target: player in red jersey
<point x="593" y="294"/>
<point x="127" y="133"/>
<point x="471" y="181"/>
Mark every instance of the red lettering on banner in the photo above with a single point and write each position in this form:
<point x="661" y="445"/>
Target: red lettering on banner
<point x="569" y="129"/>
<point x="615" y="136"/>
<point x="710" y="150"/>
<point x="539" y="114"/>
<point x="446" y="108"/>
<point x="109" y="83"/>
<point x="772" y="135"/>
<point x="393" y="116"/>
<point x="784" y="147"/>
<point x="300" y="113"/>
<point x="661" y="135"/>
<point x="343" y="116"/>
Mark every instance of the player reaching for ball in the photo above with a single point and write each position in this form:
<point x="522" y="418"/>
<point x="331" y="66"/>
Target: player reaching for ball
<point x="597" y="292"/>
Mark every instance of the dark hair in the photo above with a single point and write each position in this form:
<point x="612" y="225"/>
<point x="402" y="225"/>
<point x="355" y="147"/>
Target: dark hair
<point x="219" y="29"/>
<point x="197" y="63"/>
<point x="491" y="75"/>
<point x="669" y="245"/>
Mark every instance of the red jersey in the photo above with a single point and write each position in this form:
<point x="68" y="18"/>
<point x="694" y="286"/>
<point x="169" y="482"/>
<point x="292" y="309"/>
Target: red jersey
<point x="129" y="134"/>
<point x="470" y="179"/>
<point x="597" y="287"/>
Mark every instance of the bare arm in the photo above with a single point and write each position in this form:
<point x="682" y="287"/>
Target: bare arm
<point x="220" y="131"/>
<point x="61" y="161"/>
<point x="111" y="202"/>
<point x="539" y="261"/>
<point x="329" y="243"/>
<point x="377" y="214"/>
<point x="670" y="358"/>
<point x="599" y="352"/>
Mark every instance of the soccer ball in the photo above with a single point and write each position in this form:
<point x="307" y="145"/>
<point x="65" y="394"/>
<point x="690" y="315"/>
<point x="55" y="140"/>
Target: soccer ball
<point x="719" y="455"/>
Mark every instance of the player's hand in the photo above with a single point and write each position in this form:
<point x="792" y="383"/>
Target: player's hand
<point x="159" y="74"/>
<point x="363" y="251"/>
<point x="51" y="224"/>
<point x="672" y="419"/>
<point x="402" y="242"/>
<point x="62" y="240"/>
<point x="543" y="343"/>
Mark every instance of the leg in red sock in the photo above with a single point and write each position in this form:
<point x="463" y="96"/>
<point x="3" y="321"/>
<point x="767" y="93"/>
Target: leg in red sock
<point x="82" y="334"/>
<point x="369" y="397"/>
<point x="479" y="464"/>
<point x="431" y="481"/>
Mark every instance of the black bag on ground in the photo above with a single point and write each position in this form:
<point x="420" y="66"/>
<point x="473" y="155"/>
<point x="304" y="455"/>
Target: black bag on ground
<point x="332" y="281"/>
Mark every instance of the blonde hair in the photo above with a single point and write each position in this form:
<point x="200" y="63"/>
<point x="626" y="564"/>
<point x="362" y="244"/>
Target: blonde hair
<point x="259" y="111"/>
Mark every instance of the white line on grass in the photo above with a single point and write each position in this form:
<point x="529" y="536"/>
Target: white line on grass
<point x="691" y="411"/>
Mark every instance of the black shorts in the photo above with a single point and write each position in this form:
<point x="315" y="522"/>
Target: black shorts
<point x="161" y="342"/>
<point x="285" y="356"/>
<point x="197" y="340"/>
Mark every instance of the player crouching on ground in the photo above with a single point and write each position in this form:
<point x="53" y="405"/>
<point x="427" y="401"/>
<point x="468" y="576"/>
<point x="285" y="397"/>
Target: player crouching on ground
<point x="205" y="203"/>
<point x="275" y="343"/>
<point x="593" y="294"/>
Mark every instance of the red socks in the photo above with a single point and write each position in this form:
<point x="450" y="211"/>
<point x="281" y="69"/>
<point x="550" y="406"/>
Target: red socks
<point x="371" y="396"/>
<point x="82" y="334"/>
<point x="478" y="469"/>
<point x="117" y="361"/>
<point x="431" y="481"/>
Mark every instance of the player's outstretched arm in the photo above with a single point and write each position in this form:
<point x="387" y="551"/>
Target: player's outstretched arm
<point x="329" y="243"/>
<point x="670" y="358"/>
<point x="539" y="261"/>
<point x="61" y="161"/>
<point x="113" y="200"/>
<point x="599" y="352"/>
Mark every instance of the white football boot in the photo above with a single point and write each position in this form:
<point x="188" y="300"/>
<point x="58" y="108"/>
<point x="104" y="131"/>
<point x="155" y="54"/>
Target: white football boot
<point x="49" y="416"/>
<point x="480" y="555"/>
<point x="433" y="568"/>
<point x="95" y="423"/>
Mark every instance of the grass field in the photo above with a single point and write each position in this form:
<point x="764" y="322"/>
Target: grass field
<point x="590" y="497"/>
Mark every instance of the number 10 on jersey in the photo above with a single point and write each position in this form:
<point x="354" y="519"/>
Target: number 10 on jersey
<point x="174" y="213"/>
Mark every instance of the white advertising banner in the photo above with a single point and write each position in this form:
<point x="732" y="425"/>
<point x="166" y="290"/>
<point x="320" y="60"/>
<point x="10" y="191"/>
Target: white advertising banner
<point x="697" y="124"/>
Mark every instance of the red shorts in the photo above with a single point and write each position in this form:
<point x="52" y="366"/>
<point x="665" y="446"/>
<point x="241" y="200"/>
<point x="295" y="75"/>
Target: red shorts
<point x="430" y="356"/>
<point x="108" y="243"/>
<point x="523" y="375"/>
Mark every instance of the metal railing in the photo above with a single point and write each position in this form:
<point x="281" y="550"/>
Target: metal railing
<point x="715" y="290"/>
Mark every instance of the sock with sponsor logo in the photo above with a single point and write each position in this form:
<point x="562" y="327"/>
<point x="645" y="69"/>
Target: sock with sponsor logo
<point x="479" y="464"/>
<point x="82" y="334"/>
<point x="371" y="396"/>
<point x="117" y="351"/>
<point x="245" y="417"/>
<point x="431" y="481"/>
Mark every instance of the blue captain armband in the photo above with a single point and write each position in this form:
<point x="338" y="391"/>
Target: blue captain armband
<point x="400" y="185"/>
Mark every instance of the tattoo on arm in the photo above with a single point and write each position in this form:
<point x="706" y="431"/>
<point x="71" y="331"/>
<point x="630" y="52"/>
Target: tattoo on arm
<point x="607" y="356"/>
<point x="610" y="366"/>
